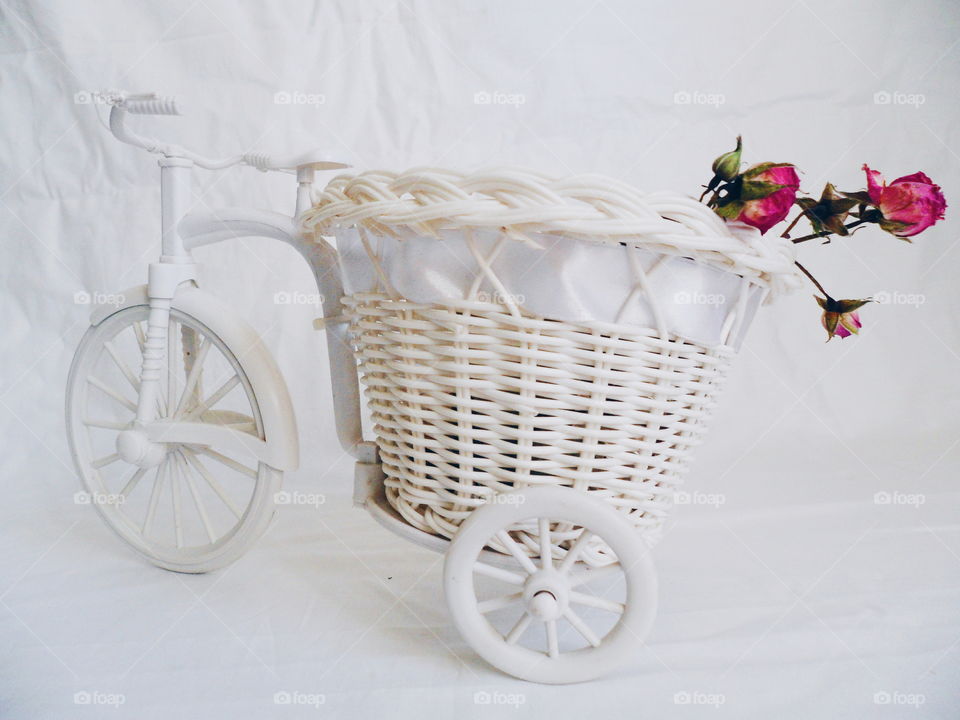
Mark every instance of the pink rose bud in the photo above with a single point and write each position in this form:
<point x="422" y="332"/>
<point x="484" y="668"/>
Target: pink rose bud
<point x="727" y="165"/>
<point x="767" y="194"/>
<point x="840" y="317"/>
<point x="909" y="205"/>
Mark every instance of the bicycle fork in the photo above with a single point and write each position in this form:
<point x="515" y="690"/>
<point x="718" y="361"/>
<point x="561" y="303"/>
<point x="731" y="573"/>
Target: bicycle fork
<point x="174" y="268"/>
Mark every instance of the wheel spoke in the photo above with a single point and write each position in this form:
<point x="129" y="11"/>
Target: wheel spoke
<point x="522" y="624"/>
<point x="122" y="366"/>
<point x="215" y="398"/>
<point x="132" y="482"/>
<point x="498" y="603"/>
<point x="248" y="427"/>
<point x="154" y="497"/>
<point x="191" y="486"/>
<point x="212" y="482"/>
<point x="106" y="424"/>
<point x="193" y="377"/>
<point x="553" y="647"/>
<point x="577" y="579"/>
<point x="175" y="496"/>
<point x="571" y="557"/>
<point x="596" y="602"/>
<point x="106" y="460"/>
<point x="492" y="571"/>
<point x="546" y="549"/>
<point x="581" y="627"/>
<point x="229" y="462"/>
<point x="107" y="390"/>
<point x="141" y="337"/>
<point x="521" y="557"/>
<point x="171" y="366"/>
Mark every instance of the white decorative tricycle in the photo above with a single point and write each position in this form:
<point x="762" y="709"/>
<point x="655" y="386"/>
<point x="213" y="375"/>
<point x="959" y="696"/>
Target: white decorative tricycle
<point x="539" y="356"/>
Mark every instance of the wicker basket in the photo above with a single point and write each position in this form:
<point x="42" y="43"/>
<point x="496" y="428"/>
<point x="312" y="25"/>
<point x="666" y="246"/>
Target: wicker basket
<point x="470" y="399"/>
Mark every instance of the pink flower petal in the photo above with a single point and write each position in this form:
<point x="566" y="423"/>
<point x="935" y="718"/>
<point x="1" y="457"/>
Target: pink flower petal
<point x="916" y="177"/>
<point x="874" y="183"/>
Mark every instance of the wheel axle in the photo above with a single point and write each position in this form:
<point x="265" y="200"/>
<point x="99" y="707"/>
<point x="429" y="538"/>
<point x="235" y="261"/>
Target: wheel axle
<point x="544" y="606"/>
<point x="137" y="449"/>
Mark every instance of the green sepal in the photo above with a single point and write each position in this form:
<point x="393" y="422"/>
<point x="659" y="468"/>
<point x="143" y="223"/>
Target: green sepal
<point x="842" y="205"/>
<point x="762" y="168"/>
<point x="861" y="196"/>
<point x="834" y="224"/>
<point x="848" y="306"/>
<point x="831" y="319"/>
<point x="895" y="227"/>
<point x="758" y="189"/>
<point x="730" y="210"/>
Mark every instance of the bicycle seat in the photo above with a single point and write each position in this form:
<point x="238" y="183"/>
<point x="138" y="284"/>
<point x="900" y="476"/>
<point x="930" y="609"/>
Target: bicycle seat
<point x="316" y="159"/>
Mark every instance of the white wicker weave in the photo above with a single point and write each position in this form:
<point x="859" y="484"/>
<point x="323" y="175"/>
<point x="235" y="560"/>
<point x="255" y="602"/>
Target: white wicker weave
<point x="471" y="399"/>
<point x="522" y="203"/>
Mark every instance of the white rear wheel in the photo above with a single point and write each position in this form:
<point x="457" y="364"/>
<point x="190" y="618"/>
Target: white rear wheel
<point x="540" y="612"/>
<point x="190" y="507"/>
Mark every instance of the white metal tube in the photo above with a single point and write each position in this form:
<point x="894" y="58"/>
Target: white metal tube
<point x="174" y="202"/>
<point x="199" y="229"/>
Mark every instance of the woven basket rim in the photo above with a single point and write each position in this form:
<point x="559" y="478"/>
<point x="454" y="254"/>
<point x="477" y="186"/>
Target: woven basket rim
<point x="525" y="205"/>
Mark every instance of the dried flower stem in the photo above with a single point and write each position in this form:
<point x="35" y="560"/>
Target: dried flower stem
<point x="824" y="233"/>
<point x="786" y="233"/>
<point x="813" y="280"/>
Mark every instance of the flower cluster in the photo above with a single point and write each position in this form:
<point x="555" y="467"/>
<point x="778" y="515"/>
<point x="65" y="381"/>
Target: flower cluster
<point x="762" y="196"/>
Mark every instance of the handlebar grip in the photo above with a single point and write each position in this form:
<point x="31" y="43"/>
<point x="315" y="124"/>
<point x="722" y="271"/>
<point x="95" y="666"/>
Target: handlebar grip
<point x="154" y="106"/>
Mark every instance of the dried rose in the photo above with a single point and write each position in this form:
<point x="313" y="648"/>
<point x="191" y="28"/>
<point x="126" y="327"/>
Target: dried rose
<point x="829" y="213"/>
<point x="909" y="205"/>
<point x="840" y="317"/>
<point x="760" y="197"/>
<point x="766" y="194"/>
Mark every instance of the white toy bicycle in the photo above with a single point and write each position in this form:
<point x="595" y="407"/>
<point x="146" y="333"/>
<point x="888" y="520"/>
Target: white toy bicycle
<point x="531" y="425"/>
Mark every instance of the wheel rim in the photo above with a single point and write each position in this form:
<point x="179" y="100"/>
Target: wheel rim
<point x="552" y="606"/>
<point x="196" y="501"/>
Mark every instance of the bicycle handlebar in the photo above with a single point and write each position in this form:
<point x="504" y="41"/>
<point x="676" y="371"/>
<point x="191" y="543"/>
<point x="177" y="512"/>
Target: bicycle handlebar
<point x="152" y="104"/>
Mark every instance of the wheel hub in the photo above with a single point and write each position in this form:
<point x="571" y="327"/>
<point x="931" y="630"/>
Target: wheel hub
<point x="546" y="594"/>
<point x="136" y="448"/>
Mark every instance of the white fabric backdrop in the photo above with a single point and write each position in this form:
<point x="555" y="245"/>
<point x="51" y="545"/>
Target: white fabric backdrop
<point x="794" y="595"/>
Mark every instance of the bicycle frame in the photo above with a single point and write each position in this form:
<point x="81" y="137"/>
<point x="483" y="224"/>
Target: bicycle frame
<point x="184" y="229"/>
